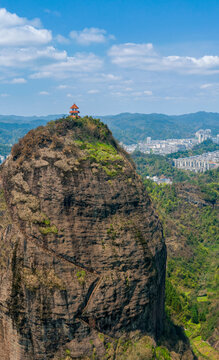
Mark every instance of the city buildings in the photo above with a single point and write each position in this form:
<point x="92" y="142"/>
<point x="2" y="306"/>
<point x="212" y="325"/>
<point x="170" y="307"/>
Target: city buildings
<point x="160" y="180"/>
<point x="203" y="135"/>
<point x="198" y="163"/>
<point x="161" y="147"/>
<point x="165" y="147"/>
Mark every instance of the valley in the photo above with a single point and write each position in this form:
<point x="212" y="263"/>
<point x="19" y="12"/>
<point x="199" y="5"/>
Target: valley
<point x="188" y="210"/>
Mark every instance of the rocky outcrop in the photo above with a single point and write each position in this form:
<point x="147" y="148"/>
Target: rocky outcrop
<point x="82" y="252"/>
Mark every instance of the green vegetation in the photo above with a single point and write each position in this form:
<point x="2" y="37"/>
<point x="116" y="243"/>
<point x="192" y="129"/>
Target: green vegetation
<point x="2" y="200"/>
<point x="85" y="129"/>
<point x="48" y="230"/>
<point x="102" y="154"/>
<point x="157" y="165"/>
<point x="162" y="353"/>
<point x="89" y="134"/>
<point x="135" y="348"/>
<point x="188" y="210"/>
<point x="81" y="275"/>
<point x="99" y="152"/>
<point x="205" y="146"/>
<point x="111" y="232"/>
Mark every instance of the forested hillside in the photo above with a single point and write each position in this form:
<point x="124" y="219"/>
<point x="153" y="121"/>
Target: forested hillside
<point x="189" y="213"/>
<point x="205" y="146"/>
<point x="12" y="132"/>
<point x="13" y="127"/>
<point x="132" y="128"/>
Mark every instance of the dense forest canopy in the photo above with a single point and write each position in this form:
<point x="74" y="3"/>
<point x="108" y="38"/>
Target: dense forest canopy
<point x="188" y="210"/>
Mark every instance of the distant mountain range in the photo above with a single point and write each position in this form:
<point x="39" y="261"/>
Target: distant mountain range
<point x="14" y="127"/>
<point x="131" y="128"/>
<point x="126" y="127"/>
<point x="14" y="119"/>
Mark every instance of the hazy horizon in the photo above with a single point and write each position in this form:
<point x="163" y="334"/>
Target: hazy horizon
<point x="125" y="112"/>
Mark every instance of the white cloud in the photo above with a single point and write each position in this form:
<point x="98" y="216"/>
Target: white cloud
<point x="17" y="31"/>
<point x="4" y="95"/>
<point x="61" y="87"/>
<point x="110" y="77"/>
<point x="205" y="86"/>
<point x="148" y="92"/>
<point x="190" y="64"/>
<point x="43" y="93"/>
<point x="118" y="93"/>
<point x="205" y="61"/>
<point x="62" y="39"/>
<point x="129" y="92"/>
<point x="24" y="45"/>
<point x="129" y="54"/>
<point x="20" y="56"/>
<point x="18" y="81"/>
<point x="174" y="98"/>
<point x="25" y="35"/>
<point x="97" y="77"/>
<point x="50" y="52"/>
<point x="134" y="71"/>
<point x="144" y="57"/>
<point x="93" y="91"/>
<point x="69" y="95"/>
<point x="89" y="36"/>
<point x="131" y="49"/>
<point x="52" y="12"/>
<point x="75" y="65"/>
<point x="8" y="19"/>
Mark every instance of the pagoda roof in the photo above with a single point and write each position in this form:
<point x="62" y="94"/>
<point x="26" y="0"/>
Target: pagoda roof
<point x="74" y="107"/>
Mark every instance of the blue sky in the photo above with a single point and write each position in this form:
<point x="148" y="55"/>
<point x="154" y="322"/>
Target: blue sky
<point x="109" y="56"/>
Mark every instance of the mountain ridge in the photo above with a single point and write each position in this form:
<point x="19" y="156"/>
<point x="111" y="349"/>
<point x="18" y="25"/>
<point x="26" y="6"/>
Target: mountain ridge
<point x="126" y="127"/>
<point x="27" y="118"/>
<point x="132" y="128"/>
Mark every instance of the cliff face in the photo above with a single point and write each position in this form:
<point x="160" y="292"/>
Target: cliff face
<point x="82" y="253"/>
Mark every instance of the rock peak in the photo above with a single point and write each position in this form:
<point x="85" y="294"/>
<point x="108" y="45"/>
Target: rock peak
<point x="84" y="249"/>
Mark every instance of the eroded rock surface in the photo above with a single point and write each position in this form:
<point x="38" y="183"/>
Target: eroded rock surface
<point x="82" y="252"/>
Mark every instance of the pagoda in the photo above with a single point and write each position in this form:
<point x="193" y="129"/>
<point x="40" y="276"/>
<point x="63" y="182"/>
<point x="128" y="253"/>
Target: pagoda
<point x="74" y="112"/>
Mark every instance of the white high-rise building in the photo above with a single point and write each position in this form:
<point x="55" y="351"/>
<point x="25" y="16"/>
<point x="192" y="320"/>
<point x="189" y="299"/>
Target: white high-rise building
<point x="203" y="135"/>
